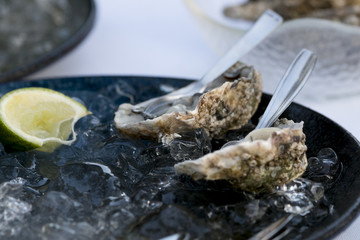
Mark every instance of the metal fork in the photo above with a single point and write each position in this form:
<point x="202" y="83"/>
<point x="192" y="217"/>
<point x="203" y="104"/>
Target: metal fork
<point x="260" y="30"/>
<point x="288" y="88"/>
<point x="274" y="230"/>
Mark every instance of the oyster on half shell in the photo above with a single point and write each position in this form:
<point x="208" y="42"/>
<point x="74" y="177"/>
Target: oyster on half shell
<point x="228" y="103"/>
<point x="266" y="158"/>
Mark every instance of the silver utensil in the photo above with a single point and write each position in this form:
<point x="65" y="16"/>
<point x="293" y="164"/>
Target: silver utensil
<point x="273" y="229"/>
<point x="259" y="31"/>
<point x="288" y="88"/>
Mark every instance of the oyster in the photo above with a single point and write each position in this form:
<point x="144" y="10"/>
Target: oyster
<point x="266" y="158"/>
<point x="228" y="103"/>
<point x="345" y="11"/>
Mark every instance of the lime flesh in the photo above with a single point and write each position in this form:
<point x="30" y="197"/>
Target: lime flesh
<point x="38" y="118"/>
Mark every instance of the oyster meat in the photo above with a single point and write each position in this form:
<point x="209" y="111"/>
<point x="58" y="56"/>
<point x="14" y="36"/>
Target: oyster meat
<point x="228" y="103"/>
<point x="266" y="158"/>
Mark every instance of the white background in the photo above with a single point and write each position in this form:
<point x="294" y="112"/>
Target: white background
<point x="160" y="38"/>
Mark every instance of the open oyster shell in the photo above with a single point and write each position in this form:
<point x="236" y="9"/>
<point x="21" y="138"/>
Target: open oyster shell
<point x="266" y="158"/>
<point x="228" y="103"/>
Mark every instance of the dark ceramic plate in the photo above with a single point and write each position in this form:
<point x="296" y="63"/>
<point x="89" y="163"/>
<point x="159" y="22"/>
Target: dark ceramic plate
<point x="321" y="133"/>
<point x="36" y="33"/>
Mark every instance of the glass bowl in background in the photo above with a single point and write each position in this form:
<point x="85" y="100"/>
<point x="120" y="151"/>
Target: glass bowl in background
<point x="337" y="73"/>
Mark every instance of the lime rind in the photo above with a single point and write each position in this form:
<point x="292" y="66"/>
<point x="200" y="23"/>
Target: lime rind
<point x="14" y="138"/>
<point x="13" y="142"/>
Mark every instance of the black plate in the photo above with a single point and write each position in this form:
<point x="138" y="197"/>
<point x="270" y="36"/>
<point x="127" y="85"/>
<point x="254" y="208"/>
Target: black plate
<point x="27" y="46"/>
<point x="321" y="133"/>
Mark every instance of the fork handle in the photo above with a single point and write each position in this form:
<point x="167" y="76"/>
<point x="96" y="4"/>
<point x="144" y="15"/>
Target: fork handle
<point x="268" y="21"/>
<point x="289" y="86"/>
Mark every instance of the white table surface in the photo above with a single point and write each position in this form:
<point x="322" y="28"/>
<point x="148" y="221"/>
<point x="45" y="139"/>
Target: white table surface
<point x="160" y="38"/>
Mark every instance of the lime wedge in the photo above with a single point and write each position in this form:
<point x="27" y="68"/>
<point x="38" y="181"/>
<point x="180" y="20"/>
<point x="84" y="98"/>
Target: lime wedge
<point x="38" y="118"/>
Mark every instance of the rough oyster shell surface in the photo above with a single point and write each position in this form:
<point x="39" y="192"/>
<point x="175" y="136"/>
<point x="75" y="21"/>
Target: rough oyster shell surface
<point x="345" y="11"/>
<point x="267" y="158"/>
<point x="228" y="105"/>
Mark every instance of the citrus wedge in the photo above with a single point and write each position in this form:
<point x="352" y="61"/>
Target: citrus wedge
<point x="38" y="118"/>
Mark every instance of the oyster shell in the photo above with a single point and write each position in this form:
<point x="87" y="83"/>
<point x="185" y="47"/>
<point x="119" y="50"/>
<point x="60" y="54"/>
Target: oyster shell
<point x="228" y="103"/>
<point x="345" y="11"/>
<point x="266" y="158"/>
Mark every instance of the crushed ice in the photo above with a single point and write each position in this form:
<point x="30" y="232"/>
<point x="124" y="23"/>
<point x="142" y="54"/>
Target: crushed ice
<point x="106" y="186"/>
<point x="12" y="210"/>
